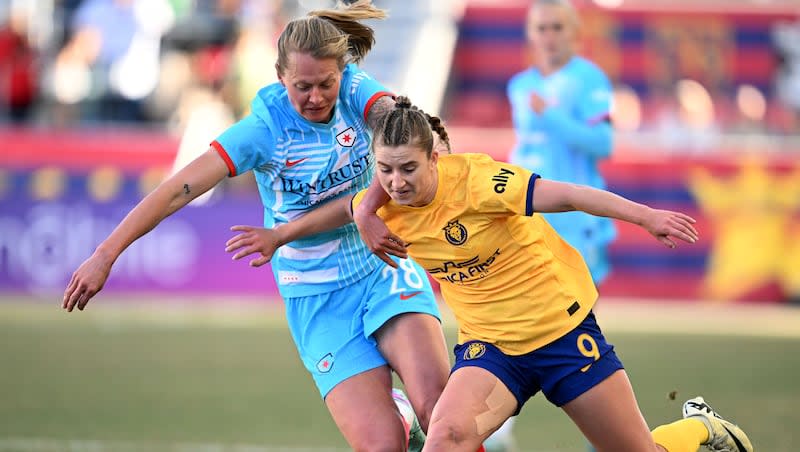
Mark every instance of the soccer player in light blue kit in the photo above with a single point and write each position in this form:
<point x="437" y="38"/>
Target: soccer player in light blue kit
<point x="561" y="109"/>
<point x="308" y="140"/>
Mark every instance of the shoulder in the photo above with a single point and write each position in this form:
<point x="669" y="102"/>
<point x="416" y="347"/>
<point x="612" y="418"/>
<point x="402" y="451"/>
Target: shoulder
<point x="251" y="132"/>
<point x="465" y="165"/>
<point x="476" y="158"/>
<point x="271" y="108"/>
<point x="522" y="78"/>
<point x="256" y="122"/>
<point x="588" y="68"/>
<point x="352" y="76"/>
<point x="270" y="96"/>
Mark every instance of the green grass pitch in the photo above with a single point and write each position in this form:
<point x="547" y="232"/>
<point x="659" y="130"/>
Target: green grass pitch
<point x="126" y="376"/>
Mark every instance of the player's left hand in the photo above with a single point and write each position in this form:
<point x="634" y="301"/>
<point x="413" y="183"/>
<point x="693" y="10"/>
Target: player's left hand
<point x="378" y="238"/>
<point x="666" y="225"/>
<point x="252" y="240"/>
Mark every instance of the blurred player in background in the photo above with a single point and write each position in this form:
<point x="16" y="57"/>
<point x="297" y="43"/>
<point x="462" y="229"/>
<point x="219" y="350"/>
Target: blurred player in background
<point x="308" y="141"/>
<point x="522" y="296"/>
<point x="561" y="111"/>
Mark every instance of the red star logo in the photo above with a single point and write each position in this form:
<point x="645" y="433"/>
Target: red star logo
<point x="325" y="364"/>
<point x="347" y="137"/>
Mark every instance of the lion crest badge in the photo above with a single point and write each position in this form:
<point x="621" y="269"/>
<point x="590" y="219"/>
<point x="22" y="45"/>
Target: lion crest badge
<point x="474" y="350"/>
<point x="455" y="233"/>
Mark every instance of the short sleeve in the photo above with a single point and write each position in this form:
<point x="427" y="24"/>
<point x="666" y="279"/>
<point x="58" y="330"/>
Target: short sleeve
<point x="246" y="145"/>
<point x="357" y="200"/>
<point x="362" y="90"/>
<point x="498" y="187"/>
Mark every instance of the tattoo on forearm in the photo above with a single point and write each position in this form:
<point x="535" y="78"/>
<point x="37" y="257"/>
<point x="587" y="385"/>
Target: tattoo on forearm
<point x="186" y="189"/>
<point x="379" y="109"/>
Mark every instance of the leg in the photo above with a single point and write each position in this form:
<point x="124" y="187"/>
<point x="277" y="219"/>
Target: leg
<point x="414" y="346"/>
<point x="473" y="405"/>
<point x="365" y="413"/>
<point x="609" y="417"/>
<point x="403" y="317"/>
<point x="348" y="369"/>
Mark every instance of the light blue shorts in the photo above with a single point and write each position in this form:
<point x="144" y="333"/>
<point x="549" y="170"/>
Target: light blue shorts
<point x="333" y="331"/>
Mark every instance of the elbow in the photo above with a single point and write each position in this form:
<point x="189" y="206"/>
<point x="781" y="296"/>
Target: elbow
<point x="597" y="142"/>
<point x="176" y="202"/>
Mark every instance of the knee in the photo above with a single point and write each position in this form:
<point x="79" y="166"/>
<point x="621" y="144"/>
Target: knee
<point x="424" y="410"/>
<point x="444" y="435"/>
<point x="378" y="437"/>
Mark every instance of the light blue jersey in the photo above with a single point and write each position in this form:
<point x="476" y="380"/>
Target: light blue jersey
<point x="300" y="165"/>
<point x="565" y="143"/>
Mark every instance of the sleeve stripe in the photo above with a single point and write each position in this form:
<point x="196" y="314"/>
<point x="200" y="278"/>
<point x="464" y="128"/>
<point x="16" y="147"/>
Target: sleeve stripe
<point x="222" y="153"/>
<point x="373" y="99"/>
<point x="529" y="201"/>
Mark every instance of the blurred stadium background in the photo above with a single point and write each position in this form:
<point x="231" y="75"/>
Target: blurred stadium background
<point x="185" y="350"/>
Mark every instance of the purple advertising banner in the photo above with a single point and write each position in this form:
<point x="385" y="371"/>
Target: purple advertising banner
<point x="46" y="233"/>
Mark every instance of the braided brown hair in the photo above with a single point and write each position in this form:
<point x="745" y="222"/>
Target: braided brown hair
<point x="408" y="125"/>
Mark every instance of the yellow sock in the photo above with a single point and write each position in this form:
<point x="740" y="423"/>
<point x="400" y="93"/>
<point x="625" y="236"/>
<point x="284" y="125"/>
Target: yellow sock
<point x="685" y="435"/>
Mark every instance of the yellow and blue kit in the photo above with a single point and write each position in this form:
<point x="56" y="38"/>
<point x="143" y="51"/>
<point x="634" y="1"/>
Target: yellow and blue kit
<point x="514" y="285"/>
<point x="506" y="274"/>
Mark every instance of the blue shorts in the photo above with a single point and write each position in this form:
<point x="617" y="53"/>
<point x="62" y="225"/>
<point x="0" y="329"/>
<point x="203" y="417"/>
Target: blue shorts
<point x="333" y="331"/>
<point x="562" y="370"/>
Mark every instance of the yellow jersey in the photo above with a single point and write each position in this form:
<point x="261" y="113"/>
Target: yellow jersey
<point x="508" y="277"/>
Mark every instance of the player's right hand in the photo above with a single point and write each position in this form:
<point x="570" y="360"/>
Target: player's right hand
<point x="666" y="225"/>
<point x="87" y="280"/>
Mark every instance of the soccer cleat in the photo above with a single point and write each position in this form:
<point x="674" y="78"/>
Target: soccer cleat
<point x="723" y="436"/>
<point x="416" y="437"/>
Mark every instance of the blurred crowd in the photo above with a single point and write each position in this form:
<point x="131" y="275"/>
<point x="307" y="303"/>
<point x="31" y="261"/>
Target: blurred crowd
<point x="73" y="62"/>
<point x="67" y="63"/>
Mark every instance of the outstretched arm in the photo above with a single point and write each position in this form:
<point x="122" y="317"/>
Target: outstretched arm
<point x="264" y="241"/>
<point x="257" y="240"/>
<point x="664" y="225"/>
<point x="378" y="238"/>
<point x="594" y="139"/>
<point x="192" y="181"/>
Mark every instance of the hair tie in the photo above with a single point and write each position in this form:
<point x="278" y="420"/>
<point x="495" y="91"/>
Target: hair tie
<point x="402" y="102"/>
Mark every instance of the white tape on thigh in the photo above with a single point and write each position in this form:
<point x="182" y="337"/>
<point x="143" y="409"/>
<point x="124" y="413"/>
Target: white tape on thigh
<point x="499" y="407"/>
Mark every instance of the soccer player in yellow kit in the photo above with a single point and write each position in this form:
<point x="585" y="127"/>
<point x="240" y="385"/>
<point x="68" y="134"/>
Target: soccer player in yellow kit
<point x="521" y="295"/>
